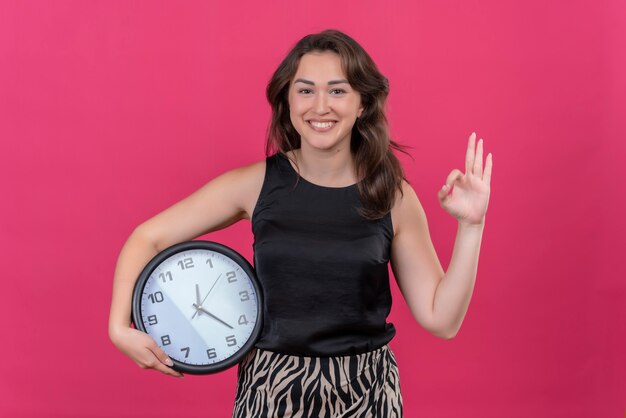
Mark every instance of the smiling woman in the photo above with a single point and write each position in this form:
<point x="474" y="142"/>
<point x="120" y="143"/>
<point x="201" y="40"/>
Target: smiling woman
<point x="322" y="246"/>
<point x="329" y="77"/>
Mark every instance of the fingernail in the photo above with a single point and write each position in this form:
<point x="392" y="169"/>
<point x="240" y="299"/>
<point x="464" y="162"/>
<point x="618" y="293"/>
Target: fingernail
<point x="169" y="362"/>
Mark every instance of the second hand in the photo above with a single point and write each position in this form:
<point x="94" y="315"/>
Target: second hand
<point x="207" y="295"/>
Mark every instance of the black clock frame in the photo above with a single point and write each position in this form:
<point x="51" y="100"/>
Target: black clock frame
<point x="211" y="246"/>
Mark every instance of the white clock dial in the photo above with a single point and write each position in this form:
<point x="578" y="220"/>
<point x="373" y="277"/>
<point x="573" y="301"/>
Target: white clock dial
<point x="200" y="306"/>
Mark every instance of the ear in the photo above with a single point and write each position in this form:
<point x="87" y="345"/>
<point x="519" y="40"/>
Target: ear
<point x="360" y="112"/>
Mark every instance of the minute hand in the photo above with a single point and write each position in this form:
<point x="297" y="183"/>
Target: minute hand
<point x="207" y="295"/>
<point x="211" y="315"/>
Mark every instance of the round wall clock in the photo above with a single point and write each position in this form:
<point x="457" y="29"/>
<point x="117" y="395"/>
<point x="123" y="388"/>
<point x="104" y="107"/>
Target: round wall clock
<point x="202" y="304"/>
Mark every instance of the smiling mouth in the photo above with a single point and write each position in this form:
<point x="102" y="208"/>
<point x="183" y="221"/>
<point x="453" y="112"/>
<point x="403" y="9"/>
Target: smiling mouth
<point x="321" y="126"/>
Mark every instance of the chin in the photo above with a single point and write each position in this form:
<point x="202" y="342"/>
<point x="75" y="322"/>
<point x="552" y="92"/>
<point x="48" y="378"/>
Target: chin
<point x="323" y="143"/>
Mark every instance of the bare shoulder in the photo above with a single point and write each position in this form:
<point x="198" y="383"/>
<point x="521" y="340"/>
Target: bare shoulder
<point x="219" y="203"/>
<point x="247" y="182"/>
<point x="406" y="207"/>
<point x="250" y="173"/>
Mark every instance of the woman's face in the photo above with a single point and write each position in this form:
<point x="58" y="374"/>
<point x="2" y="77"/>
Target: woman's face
<point x="320" y="92"/>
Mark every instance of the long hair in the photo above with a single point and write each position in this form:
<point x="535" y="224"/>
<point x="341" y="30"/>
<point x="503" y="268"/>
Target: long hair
<point x="376" y="165"/>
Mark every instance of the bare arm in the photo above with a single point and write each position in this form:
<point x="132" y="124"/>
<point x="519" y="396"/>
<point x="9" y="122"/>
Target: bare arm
<point x="414" y="261"/>
<point x="454" y="292"/>
<point x="439" y="301"/>
<point x="221" y="202"/>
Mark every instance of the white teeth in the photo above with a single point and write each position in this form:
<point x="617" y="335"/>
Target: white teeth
<point x="322" y="125"/>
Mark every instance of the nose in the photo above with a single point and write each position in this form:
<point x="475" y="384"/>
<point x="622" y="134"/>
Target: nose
<point x="321" y="106"/>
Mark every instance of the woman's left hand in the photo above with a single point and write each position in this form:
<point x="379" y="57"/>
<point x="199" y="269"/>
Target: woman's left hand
<point x="466" y="196"/>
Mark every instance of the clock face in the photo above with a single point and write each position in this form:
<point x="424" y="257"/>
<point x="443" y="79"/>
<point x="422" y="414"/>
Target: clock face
<point x="200" y="302"/>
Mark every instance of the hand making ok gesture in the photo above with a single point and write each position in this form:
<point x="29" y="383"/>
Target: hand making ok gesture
<point x="466" y="196"/>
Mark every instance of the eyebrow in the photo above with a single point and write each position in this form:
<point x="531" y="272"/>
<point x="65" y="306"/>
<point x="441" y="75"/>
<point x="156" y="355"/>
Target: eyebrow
<point x="301" y="80"/>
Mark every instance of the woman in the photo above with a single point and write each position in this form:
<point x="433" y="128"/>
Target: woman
<point x="329" y="208"/>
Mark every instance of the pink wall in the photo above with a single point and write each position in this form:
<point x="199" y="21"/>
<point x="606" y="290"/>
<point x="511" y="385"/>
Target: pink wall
<point x="110" y="111"/>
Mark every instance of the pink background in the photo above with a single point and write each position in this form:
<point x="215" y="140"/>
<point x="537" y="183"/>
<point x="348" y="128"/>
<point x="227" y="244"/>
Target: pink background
<point x="111" y="111"/>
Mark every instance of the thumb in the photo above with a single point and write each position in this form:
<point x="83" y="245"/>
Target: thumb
<point x="442" y="194"/>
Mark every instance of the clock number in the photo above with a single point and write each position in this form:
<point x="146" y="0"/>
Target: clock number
<point x="186" y="350"/>
<point x="152" y="320"/>
<point x="156" y="297"/>
<point x="231" y="277"/>
<point x="186" y="263"/>
<point x="244" y="296"/>
<point x="243" y="320"/>
<point x="209" y="262"/>
<point x="230" y="340"/>
<point x="167" y="274"/>
<point x="211" y="353"/>
<point x="165" y="340"/>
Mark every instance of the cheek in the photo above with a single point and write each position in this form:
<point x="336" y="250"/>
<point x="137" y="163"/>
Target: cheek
<point x="296" y="115"/>
<point x="296" y="120"/>
<point x="354" y="107"/>
<point x="293" y="109"/>
<point x="295" y="106"/>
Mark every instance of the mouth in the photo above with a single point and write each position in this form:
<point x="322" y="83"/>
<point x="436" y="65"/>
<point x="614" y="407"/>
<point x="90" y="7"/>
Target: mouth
<point x="319" y="126"/>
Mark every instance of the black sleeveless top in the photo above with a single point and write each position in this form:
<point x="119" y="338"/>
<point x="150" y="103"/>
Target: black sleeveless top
<point x="322" y="267"/>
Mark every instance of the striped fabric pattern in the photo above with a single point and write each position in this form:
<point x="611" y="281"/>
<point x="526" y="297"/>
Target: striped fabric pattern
<point x="272" y="384"/>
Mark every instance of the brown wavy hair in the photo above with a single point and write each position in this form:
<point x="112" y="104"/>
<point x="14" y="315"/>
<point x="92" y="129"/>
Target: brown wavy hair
<point x="376" y="165"/>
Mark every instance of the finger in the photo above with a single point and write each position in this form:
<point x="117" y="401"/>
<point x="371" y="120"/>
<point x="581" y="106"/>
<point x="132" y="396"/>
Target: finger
<point x="488" y="165"/>
<point x="452" y="178"/>
<point x="469" y="155"/>
<point x="478" y="161"/>
<point x="165" y="362"/>
<point x="155" y="364"/>
<point x="166" y="370"/>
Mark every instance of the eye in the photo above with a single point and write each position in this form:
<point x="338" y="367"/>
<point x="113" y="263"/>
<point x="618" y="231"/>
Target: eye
<point x="339" y="90"/>
<point x="303" y="90"/>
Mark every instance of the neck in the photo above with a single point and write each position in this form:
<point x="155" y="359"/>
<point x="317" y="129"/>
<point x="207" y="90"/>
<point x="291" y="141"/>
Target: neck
<point x="333" y="168"/>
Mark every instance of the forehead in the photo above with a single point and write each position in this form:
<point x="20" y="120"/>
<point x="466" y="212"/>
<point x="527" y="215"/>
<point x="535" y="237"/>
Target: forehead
<point x="320" y="67"/>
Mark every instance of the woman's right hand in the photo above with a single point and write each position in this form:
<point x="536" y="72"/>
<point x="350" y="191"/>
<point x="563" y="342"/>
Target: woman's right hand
<point x="143" y="350"/>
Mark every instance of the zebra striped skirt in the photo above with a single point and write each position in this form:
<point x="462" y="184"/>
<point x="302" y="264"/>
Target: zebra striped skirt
<point x="272" y="384"/>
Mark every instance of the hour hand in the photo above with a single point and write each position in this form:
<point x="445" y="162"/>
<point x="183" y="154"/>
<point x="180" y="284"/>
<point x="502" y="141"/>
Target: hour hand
<point x="201" y="309"/>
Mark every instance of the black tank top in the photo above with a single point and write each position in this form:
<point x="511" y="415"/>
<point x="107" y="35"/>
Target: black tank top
<point x="322" y="267"/>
